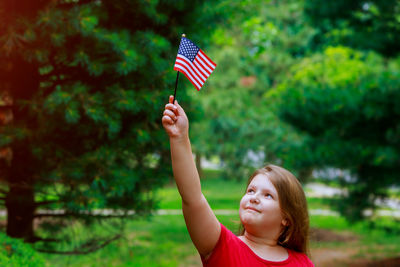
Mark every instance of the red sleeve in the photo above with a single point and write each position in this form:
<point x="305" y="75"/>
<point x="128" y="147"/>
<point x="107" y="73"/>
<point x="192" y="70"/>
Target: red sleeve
<point x="220" y="256"/>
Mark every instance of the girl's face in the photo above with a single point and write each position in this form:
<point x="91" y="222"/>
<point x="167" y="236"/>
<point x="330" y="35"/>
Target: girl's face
<point x="259" y="208"/>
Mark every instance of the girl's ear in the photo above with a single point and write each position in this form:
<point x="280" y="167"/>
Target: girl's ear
<point x="285" y="222"/>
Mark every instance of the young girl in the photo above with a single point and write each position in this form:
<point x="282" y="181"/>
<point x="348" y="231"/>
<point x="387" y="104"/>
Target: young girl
<point x="273" y="211"/>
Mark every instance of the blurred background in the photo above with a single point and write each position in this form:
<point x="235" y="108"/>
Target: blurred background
<point x="85" y="172"/>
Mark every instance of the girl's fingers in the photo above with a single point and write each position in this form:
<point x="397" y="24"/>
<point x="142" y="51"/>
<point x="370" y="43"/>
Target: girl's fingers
<point x="167" y="119"/>
<point x="173" y="108"/>
<point x="169" y="113"/>
<point x="171" y="99"/>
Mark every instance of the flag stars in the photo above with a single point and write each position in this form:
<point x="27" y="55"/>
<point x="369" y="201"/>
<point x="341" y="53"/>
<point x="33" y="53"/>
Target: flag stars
<point x="193" y="63"/>
<point x="188" y="49"/>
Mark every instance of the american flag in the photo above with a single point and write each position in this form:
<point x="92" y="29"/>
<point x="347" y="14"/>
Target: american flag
<point x="193" y="63"/>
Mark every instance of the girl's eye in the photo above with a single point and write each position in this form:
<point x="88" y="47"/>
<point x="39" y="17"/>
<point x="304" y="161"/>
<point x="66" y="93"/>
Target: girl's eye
<point x="250" y="191"/>
<point x="268" y="195"/>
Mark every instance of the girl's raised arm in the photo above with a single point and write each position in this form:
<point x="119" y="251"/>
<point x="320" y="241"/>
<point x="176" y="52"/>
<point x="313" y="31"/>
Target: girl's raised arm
<point x="203" y="226"/>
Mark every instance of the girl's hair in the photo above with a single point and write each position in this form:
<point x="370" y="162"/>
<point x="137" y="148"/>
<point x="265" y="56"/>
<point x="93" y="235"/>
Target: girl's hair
<point x="292" y="201"/>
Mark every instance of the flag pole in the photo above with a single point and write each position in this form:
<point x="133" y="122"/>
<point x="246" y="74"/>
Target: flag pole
<point x="176" y="85"/>
<point x="177" y="78"/>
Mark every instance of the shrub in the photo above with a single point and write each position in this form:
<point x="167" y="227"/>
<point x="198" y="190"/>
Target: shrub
<point x="16" y="253"/>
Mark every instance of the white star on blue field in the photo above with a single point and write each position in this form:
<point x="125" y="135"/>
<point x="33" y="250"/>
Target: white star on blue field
<point x="188" y="49"/>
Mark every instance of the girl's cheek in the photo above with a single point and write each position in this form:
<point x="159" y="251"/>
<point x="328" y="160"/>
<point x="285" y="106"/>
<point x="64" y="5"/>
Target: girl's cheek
<point x="242" y="202"/>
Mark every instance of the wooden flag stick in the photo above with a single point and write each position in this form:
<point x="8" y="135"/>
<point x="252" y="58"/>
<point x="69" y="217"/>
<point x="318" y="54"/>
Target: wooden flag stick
<point x="177" y="78"/>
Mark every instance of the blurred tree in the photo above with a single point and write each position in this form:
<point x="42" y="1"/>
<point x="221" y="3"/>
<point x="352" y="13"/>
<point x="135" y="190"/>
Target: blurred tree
<point x="260" y="41"/>
<point x="88" y="82"/>
<point x="359" y="24"/>
<point x="346" y="104"/>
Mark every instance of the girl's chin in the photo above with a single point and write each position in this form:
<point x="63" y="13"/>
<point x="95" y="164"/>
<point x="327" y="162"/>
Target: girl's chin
<point x="246" y="219"/>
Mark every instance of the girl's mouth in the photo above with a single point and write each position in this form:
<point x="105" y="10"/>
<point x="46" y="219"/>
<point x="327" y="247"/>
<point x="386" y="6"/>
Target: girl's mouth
<point x="253" y="209"/>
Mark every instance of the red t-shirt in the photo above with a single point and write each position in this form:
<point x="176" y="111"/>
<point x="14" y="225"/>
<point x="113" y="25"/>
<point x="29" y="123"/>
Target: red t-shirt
<point x="230" y="251"/>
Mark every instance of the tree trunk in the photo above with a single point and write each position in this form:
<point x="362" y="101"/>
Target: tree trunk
<point x="20" y="212"/>
<point x="21" y="81"/>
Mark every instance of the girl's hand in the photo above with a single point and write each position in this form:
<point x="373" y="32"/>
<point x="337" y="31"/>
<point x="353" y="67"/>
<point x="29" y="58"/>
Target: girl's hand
<point x="174" y="120"/>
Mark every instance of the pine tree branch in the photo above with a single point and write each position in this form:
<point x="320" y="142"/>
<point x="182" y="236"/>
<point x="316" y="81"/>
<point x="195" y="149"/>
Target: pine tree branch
<point x="38" y="239"/>
<point x="47" y="202"/>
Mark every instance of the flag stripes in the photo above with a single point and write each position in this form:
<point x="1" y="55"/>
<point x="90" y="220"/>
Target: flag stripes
<point x="193" y="63"/>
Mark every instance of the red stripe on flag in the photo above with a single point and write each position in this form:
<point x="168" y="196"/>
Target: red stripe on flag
<point x="189" y="70"/>
<point x="201" y="70"/>
<point x="193" y="68"/>
<point x="212" y="62"/>
<point x="202" y="66"/>
<point x="183" y="71"/>
<point x="205" y="63"/>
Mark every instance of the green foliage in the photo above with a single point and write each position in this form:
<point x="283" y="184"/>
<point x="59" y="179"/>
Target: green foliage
<point x="15" y="253"/>
<point x="260" y="42"/>
<point x="87" y="116"/>
<point x="345" y="102"/>
<point x="86" y="122"/>
<point x="360" y="24"/>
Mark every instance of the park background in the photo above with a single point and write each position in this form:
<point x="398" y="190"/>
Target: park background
<point x="85" y="173"/>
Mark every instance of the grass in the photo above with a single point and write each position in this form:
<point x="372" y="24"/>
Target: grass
<point x="155" y="241"/>
<point x="159" y="241"/>
<point x="162" y="240"/>
<point x="220" y="194"/>
<point x="394" y="193"/>
<point x="364" y="242"/>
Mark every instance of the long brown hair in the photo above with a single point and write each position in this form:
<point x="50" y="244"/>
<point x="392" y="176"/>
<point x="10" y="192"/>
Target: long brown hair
<point x="292" y="201"/>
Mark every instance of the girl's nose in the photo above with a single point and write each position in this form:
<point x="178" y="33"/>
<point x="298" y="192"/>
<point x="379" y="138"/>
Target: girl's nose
<point x="254" y="199"/>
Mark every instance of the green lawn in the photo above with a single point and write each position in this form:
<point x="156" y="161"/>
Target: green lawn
<point x="223" y="194"/>
<point x="219" y="193"/>
<point x="162" y="240"/>
<point x="156" y="241"/>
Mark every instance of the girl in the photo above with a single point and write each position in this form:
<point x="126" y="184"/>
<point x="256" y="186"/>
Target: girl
<point x="273" y="211"/>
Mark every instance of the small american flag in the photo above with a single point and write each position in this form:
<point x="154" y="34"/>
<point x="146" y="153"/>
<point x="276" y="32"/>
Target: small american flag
<point x="193" y="63"/>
